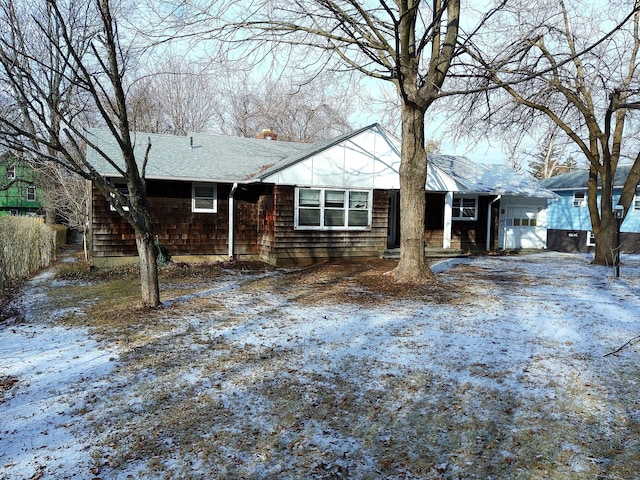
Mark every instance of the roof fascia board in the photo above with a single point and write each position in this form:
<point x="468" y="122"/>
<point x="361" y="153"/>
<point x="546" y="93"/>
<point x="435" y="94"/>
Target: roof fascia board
<point x="189" y="179"/>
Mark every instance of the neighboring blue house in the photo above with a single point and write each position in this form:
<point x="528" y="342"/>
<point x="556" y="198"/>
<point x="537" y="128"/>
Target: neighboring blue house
<point x="568" y="222"/>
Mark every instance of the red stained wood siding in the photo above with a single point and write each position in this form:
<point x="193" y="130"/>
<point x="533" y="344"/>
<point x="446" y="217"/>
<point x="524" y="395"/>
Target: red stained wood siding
<point x="282" y="244"/>
<point x="179" y="230"/>
<point x="264" y="226"/>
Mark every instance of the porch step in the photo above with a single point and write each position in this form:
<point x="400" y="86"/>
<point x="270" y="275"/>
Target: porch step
<point x="430" y="252"/>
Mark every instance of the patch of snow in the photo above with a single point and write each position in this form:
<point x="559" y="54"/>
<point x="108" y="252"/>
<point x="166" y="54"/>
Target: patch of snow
<point x="543" y="343"/>
<point x="57" y="369"/>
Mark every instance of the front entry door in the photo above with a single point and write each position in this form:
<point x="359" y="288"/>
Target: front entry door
<point x="393" y="228"/>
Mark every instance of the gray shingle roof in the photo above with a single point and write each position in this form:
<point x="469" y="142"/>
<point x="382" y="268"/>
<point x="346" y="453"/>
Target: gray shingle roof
<point x="490" y="178"/>
<point x="578" y="179"/>
<point x="212" y="157"/>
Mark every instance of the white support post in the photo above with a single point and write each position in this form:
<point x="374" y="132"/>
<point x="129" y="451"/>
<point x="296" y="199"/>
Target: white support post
<point x="448" y="222"/>
<point x="232" y="219"/>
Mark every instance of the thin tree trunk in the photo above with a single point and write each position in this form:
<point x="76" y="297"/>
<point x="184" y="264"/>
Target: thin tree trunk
<point x="148" y="269"/>
<point x="413" y="176"/>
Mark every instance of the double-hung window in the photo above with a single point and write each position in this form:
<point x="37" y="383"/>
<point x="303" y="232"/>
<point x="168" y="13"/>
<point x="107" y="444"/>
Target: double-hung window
<point x="320" y="208"/>
<point x="11" y="172"/>
<point x="465" y="208"/>
<point x="204" y="198"/>
<point x="31" y="194"/>
<point x="636" y="201"/>
<point x="579" y="199"/>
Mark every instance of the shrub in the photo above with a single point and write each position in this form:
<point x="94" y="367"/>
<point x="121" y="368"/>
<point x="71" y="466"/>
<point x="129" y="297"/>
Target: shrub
<point x="26" y="245"/>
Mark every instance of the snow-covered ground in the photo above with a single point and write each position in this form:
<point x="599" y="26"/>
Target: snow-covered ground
<point x="507" y="377"/>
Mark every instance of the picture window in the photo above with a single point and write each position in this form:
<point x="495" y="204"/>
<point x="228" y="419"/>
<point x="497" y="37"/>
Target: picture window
<point x="318" y="208"/>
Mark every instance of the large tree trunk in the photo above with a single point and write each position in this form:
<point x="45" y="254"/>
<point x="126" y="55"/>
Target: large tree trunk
<point x="603" y="221"/>
<point x="148" y="269"/>
<point x="606" y="250"/>
<point x="413" y="176"/>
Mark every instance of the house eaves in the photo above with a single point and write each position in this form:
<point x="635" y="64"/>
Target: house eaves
<point x="226" y="159"/>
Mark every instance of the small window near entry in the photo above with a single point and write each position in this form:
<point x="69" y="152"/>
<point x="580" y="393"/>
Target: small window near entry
<point x="11" y="172"/>
<point x="204" y="198"/>
<point x="31" y="194"/>
<point x="591" y="239"/>
<point x="465" y="208"/>
<point x="579" y="199"/>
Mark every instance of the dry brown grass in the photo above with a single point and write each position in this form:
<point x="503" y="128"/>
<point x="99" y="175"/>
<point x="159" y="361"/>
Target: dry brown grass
<point x="188" y="402"/>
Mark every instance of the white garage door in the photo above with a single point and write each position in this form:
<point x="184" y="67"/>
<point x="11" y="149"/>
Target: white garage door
<point x="521" y="228"/>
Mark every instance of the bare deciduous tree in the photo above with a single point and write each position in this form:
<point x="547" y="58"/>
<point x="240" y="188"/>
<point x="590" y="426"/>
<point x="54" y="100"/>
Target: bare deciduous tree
<point x="575" y="67"/>
<point x="59" y="59"/>
<point x="550" y="161"/>
<point x="187" y="93"/>
<point x="305" y="112"/>
<point x="68" y="194"/>
<point x="410" y="43"/>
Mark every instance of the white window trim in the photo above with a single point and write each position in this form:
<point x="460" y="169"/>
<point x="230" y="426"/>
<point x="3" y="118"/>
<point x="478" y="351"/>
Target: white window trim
<point x="11" y="172"/>
<point x="214" y="209"/>
<point x="580" y="202"/>
<point x="636" y="202"/>
<point x="460" y="218"/>
<point x="124" y="190"/>
<point x="297" y="225"/>
<point x="591" y="239"/>
<point x="31" y="192"/>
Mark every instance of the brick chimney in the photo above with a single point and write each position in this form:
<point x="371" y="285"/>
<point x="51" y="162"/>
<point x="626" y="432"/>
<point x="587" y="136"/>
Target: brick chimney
<point x="267" y="134"/>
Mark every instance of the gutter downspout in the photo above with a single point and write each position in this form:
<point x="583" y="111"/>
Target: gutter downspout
<point x="231" y="218"/>
<point x="489" y="221"/>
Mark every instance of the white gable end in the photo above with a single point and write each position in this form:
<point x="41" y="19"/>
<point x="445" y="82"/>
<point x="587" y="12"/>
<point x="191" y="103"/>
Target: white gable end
<point x="368" y="160"/>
